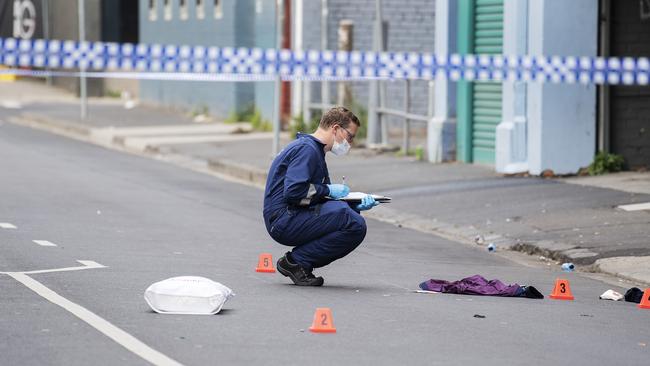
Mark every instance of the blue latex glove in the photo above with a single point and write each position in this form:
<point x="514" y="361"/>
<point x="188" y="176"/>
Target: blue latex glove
<point x="367" y="203"/>
<point x="338" y="191"/>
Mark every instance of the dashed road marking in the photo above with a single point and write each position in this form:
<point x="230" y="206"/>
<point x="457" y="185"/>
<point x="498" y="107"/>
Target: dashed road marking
<point x="6" y="225"/>
<point x="44" y="243"/>
<point x="635" y="207"/>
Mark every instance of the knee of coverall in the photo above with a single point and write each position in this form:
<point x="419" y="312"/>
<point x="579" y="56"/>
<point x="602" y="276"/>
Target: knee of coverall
<point x="356" y="227"/>
<point x="354" y="232"/>
<point x="354" y="224"/>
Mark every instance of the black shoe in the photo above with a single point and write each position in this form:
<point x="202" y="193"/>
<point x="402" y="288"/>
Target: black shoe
<point x="299" y="275"/>
<point x="532" y="293"/>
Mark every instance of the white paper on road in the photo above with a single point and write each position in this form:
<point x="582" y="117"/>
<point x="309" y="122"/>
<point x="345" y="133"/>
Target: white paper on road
<point x="187" y="295"/>
<point x="44" y="243"/>
<point x="611" y="295"/>
<point x="635" y="207"/>
<point x="425" y="292"/>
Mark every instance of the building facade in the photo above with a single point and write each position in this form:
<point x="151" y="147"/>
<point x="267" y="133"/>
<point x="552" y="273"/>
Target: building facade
<point x="409" y="25"/>
<point x="624" y="112"/>
<point x="105" y="20"/>
<point x="533" y="127"/>
<point x="221" y="23"/>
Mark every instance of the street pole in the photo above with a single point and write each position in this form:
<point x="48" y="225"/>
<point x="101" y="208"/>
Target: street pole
<point x="82" y="66"/>
<point x="45" y="9"/>
<point x="279" y="21"/>
<point x="406" y="128"/>
<point x="325" y="86"/>
<point x="374" y="134"/>
<point x="297" y="38"/>
<point x="344" y="94"/>
<point x="382" y="85"/>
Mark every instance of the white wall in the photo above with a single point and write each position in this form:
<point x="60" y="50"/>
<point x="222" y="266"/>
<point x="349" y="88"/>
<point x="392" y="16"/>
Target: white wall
<point x="561" y="117"/>
<point x="511" y="138"/>
<point x="441" y="129"/>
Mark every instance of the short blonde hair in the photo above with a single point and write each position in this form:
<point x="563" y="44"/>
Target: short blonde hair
<point x="340" y="116"/>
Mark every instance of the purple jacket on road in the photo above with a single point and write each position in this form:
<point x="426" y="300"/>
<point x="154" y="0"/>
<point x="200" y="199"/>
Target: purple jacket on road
<point x="474" y="285"/>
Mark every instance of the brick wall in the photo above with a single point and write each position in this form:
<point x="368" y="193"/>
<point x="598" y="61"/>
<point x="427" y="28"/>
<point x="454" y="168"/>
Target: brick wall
<point x="411" y="27"/>
<point x="630" y="105"/>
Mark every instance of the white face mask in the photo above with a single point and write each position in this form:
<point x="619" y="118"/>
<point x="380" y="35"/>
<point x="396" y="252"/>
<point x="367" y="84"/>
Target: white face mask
<point x="340" y="148"/>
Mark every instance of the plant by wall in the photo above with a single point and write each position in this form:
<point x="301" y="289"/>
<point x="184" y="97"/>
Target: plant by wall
<point x="606" y="163"/>
<point x="298" y="124"/>
<point x="361" y="112"/>
<point x="252" y="115"/>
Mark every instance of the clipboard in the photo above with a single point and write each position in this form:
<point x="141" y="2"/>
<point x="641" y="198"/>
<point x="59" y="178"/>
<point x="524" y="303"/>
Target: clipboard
<point x="355" y="197"/>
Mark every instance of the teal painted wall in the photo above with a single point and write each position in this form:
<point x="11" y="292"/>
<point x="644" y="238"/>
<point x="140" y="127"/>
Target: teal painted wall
<point x="465" y="89"/>
<point x="236" y="28"/>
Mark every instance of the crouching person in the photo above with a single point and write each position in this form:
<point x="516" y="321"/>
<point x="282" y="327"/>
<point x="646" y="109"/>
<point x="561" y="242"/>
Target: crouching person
<point x="301" y="206"/>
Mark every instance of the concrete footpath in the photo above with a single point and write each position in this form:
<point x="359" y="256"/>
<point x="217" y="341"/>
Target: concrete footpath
<point x="574" y="219"/>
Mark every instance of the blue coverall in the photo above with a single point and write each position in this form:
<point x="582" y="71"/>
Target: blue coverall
<point x="296" y="212"/>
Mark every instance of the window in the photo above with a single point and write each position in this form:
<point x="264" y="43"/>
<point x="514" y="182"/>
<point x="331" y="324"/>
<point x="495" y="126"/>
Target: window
<point x="200" y="9"/>
<point x="168" y="9"/>
<point x="218" y="9"/>
<point x="183" y="11"/>
<point x="259" y="7"/>
<point x="153" y="10"/>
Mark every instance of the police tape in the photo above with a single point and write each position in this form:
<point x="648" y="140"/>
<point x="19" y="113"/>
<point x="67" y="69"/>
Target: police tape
<point x="184" y="76"/>
<point x="172" y="62"/>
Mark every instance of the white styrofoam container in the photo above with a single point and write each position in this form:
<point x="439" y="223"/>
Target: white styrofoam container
<point x="187" y="295"/>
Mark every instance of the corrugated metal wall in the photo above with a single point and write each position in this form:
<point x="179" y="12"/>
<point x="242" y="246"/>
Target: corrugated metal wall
<point x="486" y="106"/>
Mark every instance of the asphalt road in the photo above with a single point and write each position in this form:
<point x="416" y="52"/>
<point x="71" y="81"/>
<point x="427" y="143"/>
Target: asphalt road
<point x="147" y="221"/>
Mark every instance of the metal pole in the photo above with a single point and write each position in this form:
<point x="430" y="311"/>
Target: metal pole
<point x="604" y="90"/>
<point x="406" y="129"/>
<point x="82" y="67"/>
<point x="374" y="117"/>
<point x="345" y="33"/>
<point x="379" y="28"/>
<point x="434" y="126"/>
<point x="306" y="109"/>
<point x="278" y="83"/>
<point x="325" y="86"/>
<point x="45" y="9"/>
<point x="431" y="100"/>
<point x="304" y="86"/>
<point x="297" y="38"/>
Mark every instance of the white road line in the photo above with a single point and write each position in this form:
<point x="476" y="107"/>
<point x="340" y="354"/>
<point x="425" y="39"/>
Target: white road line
<point x="86" y="265"/>
<point x="6" y="225"/>
<point x="44" y="243"/>
<point x="11" y="104"/>
<point x="636" y="207"/>
<point x="111" y="331"/>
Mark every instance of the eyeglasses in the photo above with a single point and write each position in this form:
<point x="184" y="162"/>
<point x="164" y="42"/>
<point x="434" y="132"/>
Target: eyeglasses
<point x="350" y="135"/>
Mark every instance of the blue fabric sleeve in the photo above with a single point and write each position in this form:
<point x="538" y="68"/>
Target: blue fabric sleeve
<point x="298" y="187"/>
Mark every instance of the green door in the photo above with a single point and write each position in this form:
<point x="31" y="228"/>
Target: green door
<point x="479" y="104"/>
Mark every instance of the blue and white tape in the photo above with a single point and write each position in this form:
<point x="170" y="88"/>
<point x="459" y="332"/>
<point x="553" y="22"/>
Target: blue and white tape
<point x="252" y="64"/>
